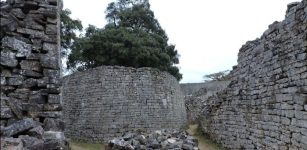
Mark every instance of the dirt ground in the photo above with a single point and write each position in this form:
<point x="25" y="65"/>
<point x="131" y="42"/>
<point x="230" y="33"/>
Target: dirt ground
<point x="203" y="142"/>
<point x="86" y="146"/>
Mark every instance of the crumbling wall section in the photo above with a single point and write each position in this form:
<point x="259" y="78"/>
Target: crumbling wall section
<point x="197" y="94"/>
<point x="30" y="55"/>
<point x="104" y="102"/>
<point x="265" y="105"/>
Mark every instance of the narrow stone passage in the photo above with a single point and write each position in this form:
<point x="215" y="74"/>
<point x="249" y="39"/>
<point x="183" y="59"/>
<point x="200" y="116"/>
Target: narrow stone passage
<point x="204" y="143"/>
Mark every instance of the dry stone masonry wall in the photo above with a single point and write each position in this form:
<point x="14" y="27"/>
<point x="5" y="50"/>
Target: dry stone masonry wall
<point x="209" y="88"/>
<point x="104" y="102"/>
<point x="265" y="105"/>
<point x="30" y="100"/>
<point x="197" y="94"/>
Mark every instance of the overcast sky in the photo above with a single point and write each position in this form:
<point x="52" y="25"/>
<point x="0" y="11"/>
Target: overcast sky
<point x="207" y="33"/>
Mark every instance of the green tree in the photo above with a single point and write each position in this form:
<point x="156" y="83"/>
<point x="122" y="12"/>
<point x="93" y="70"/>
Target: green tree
<point x="132" y="37"/>
<point x="218" y="76"/>
<point x="69" y="28"/>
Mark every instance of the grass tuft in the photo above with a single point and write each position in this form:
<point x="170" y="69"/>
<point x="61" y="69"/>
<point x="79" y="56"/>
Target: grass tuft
<point x="76" y="145"/>
<point x="205" y="143"/>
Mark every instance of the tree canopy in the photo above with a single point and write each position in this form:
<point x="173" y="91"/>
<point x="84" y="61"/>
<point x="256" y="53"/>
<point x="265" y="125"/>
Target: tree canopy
<point x="218" y="76"/>
<point x="69" y="27"/>
<point x="132" y="37"/>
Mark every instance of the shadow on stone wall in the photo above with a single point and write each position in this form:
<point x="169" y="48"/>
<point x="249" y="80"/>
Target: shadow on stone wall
<point x="265" y="105"/>
<point x="197" y="94"/>
<point x="30" y="101"/>
<point x="104" y="102"/>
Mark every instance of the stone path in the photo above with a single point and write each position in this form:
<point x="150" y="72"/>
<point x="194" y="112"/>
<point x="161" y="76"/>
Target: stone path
<point x="203" y="142"/>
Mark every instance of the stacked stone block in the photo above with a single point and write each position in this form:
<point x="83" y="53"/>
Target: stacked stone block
<point x="30" y="101"/>
<point x="264" y="107"/>
<point x="196" y="95"/>
<point x="104" y="102"/>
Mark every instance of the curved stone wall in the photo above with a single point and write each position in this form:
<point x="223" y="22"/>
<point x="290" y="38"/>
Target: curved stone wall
<point x="265" y="105"/>
<point x="103" y="102"/>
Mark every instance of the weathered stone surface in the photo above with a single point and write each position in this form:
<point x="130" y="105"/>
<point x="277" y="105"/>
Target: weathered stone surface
<point x="2" y="80"/>
<point x="50" y="20"/>
<point x="51" y="29"/>
<point x="6" y="112"/>
<point x="23" y="49"/>
<point x="6" y="73"/>
<point x="33" y="33"/>
<point x="25" y="26"/>
<point x="30" y="5"/>
<point x="11" y="143"/>
<point x="49" y="62"/>
<point x="8" y="59"/>
<point x="36" y="132"/>
<point x="50" y="114"/>
<point x="53" y="2"/>
<point x="15" y="80"/>
<point x="48" y="12"/>
<point x="262" y="107"/>
<point x="49" y="47"/>
<point x="37" y="47"/>
<point x="7" y="88"/>
<point x="53" y="89"/>
<point x="31" y="65"/>
<point x="32" y="109"/>
<point x="52" y="124"/>
<point x="43" y="82"/>
<point x="8" y="24"/>
<point x="54" y="144"/>
<point x="52" y="107"/>
<point x="30" y="73"/>
<point x="20" y="93"/>
<point x="51" y="74"/>
<point x="54" y="99"/>
<point x="143" y="99"/>
<point x="17" y="12"/>
<point x="195" y="95"/>
<point x="51" y="144"/>
<point x="19" y="127"/>
<point x="30" y="83"/>
<point x="161" y="139"/>
<point x="32" y="24"/>
<point x="38" y="97"/>
<point x="32" y="143"/>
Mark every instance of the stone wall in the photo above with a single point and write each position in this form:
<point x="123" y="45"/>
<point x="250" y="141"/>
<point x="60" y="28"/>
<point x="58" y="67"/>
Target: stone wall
<point x="104" y="102"/>
<point x="265" y="105"/>
<point x="190" y="89"/>
<point x="30" y="100"/>
<point x="196" y="95"/>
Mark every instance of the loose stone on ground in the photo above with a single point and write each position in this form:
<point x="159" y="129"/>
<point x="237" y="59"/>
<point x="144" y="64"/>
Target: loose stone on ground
<point x="159" y="139"/>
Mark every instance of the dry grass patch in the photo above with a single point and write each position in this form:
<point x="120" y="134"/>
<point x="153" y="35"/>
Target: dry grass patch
<point x="74" y="145"/>
<point x="204" y="143"/>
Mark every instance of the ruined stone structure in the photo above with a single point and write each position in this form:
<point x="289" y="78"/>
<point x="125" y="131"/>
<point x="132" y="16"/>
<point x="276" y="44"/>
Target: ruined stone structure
<point x="197" y="94"/>
<point x="30" y="100"/>
<point x="265" y="105"/>
<point x="206" y="89"/>
<point x="157" y="140"/>
<point x="104" y="102"/>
